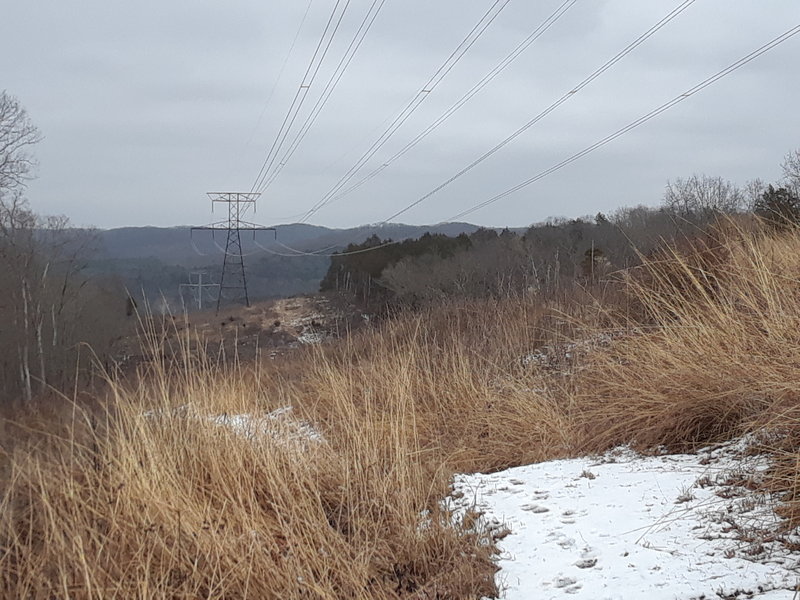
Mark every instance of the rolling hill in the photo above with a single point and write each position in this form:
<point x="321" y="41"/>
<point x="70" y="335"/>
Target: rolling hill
<point x="152" y="262"/>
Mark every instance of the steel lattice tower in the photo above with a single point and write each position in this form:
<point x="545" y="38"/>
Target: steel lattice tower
<point x="234" y="276"/>
<point x="197" y="288"/>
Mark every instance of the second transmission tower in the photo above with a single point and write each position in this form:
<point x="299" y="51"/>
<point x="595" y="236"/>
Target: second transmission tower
<point x="234" y="276"/>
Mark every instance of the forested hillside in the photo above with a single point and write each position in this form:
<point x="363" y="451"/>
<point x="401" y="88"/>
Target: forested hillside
<point x="152" y="262"/>
<point x="554" y="255"/>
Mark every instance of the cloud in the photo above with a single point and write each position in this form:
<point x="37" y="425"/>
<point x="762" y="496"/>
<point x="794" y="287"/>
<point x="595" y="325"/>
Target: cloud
<point x="144" y="106"/>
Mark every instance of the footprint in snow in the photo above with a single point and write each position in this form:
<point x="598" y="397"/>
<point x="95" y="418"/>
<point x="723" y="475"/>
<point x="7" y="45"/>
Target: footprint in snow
<point x="563" y="582"/>
<point x="561" y="539"/>
<point x="535" y="508"/>
<point x="588" y="559"/>
<point x="568" y="516"/>
<point x="566" y="543"/>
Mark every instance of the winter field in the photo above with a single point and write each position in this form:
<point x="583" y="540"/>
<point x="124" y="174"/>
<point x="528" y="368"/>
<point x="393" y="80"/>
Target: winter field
<point x="637" y="438"/>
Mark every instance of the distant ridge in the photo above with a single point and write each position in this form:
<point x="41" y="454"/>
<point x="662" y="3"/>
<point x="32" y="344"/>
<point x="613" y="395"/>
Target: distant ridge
<point x="153" y="262"/>
<point x="175" y="245"/>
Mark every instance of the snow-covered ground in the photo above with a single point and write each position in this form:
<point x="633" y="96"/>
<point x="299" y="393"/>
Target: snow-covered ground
<point x="625" y="526"/>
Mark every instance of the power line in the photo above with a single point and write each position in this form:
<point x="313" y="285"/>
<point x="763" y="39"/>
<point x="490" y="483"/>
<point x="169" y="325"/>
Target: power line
<point x="416" y="100"/>
<point x="640" y="121"/>
<point x="274" y="87"/>
<point x="606" y="140"/>
<point x="499" y="68"/>
<point x="572" y="92"/>
<point x="302" y="91"/>
<point x="323" y="252"/>
<point x="282" y="69"/>
<point x="477" y="31"/>
<point x="347" y="58"/>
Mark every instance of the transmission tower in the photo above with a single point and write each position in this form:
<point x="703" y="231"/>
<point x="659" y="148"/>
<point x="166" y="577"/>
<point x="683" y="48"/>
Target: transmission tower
<point x="233" y="283"/>
<point x="197" y="288"/>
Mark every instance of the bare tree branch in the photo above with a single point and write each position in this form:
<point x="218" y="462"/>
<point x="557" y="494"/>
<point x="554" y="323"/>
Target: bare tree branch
<point x="17" y="134"/>
<point x="791" y="171"/>
<point x="703" y="194"/>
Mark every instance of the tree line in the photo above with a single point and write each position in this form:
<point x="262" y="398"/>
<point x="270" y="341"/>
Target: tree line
<point x="54" y="319"/>
<point x="380" y="273"/>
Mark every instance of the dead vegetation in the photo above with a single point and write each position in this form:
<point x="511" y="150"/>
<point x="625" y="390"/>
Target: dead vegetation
<point x="155" y="504"/>
<point x="696" y="346"/>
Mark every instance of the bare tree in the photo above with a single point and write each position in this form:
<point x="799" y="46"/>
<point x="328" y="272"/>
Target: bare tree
<point x="17" y="228"/>
<point x="701" y="194"/>
<point x="48" y="306"/>
<point x="17" y="135"/>
<point x="791" y="171"/>
<point x="17" y="231"/>
<point x="753" y="190"/>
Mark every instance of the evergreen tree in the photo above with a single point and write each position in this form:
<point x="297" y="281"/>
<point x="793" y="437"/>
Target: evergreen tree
<point x="779" y="206"/>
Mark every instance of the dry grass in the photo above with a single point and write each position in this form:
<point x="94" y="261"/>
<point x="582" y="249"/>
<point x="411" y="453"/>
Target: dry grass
<point x="718" y="355"/>
<point x="721" y="349"/>
<point x="124" y="503"/>
<point x="110" y="503"/>
<point x="174" y="506"/>
<point x="459" y="371"/>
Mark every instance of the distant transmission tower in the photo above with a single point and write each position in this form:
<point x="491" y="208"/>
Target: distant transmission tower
<point x="197" y="288"/>
<point x="233" y="283"/>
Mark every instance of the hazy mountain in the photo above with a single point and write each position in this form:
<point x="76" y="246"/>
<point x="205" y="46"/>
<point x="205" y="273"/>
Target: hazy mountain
<point x="181" y="246"/>
<point x="153" y="262"/>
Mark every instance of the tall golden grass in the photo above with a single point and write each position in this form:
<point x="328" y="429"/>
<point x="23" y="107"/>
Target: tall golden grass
<point x="149" y="497"/>
<point x="119" y="502"/>
<point x="175" y="505"/>
<point x="717" y="355"/>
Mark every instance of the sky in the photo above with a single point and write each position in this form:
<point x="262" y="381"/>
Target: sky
<point x="145" y="106"/>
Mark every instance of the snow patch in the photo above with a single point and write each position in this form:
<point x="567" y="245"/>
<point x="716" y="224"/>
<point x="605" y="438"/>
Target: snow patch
<point x="311" y="337"/>
<point x="655" y="527"/>
<point x="280" y="425"/>
<point x="307" y="320"/>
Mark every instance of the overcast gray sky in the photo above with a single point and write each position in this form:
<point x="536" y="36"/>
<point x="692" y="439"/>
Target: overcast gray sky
<point x="144" y="106"/>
